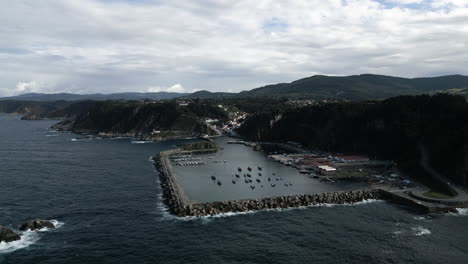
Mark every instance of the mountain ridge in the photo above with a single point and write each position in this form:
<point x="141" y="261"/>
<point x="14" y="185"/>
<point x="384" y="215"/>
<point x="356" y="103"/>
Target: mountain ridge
<point x="354" y="88"/>
<point x="95" y="96"/>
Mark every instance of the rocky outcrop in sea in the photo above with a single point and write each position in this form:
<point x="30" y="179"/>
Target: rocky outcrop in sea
<point x="8" y="235"/>
<point x="36" y="224"/>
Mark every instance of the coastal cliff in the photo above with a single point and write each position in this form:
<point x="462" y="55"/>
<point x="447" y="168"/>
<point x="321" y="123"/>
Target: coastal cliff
<point x="37" y="110"/>
<point x="147" y="121"/>
<point x="388" y="130"/>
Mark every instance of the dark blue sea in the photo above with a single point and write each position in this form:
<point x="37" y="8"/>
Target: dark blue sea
<point x="105" y="198"/>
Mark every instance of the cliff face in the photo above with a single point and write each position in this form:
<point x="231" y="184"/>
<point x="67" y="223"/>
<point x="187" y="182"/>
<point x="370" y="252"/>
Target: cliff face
<point x="36" y="110"/>
<point x="156" y="121"/>
<point x="389" y="129"/>
<point x="30" y="107"/>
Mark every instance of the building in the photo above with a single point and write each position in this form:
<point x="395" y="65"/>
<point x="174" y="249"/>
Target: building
<point x="326" y="170"/>
<point x="182" y="103"/>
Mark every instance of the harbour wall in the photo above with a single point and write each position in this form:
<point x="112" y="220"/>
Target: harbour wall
<point x="178" y="203"/>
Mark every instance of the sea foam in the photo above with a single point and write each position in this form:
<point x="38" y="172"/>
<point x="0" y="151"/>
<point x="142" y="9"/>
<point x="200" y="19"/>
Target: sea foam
<point x="460" y="212"/>
<point x="27" y="238"/>
<point x="166" y="215"/>
<point x="140" y="142"/>
<point x="420" y="231"/>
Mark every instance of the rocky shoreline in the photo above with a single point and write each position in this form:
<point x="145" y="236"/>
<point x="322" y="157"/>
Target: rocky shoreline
<point x="8" y="235"/>
<point x="178" y="203"/>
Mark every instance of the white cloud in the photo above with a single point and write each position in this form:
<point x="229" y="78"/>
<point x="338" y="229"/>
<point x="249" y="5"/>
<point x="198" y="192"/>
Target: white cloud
<point x="27" y="87"/>
<point x="456" y="3"/>
<point x="91" y="46"/>
<point x="176" y="88"/>
<point x="405" y="2"/>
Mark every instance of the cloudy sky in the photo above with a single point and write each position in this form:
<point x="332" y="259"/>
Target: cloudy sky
<point x="106" y="46"/>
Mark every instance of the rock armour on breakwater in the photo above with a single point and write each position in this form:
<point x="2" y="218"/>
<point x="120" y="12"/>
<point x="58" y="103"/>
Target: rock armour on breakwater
<point x="178" y="204"/>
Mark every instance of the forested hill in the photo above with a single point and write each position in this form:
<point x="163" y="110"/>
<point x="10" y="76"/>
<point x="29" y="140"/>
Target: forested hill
<point x="354" y="88"/>
<point x="95" y="97"/>
<point x="33" y="110"/>
<point x="360" y="87"/>
<point x="149" y="121"/>
<point x="391" y="129"/>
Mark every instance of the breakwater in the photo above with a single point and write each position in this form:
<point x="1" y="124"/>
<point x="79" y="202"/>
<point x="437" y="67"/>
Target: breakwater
<point x="178" y="203"/>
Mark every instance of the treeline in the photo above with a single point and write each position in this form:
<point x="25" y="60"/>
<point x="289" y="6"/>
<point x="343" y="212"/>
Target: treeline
<point x="140" y="119"/>
<point x="29" y="107"/>
<point x="391" y="129"/>
<point x="45" y="109"/>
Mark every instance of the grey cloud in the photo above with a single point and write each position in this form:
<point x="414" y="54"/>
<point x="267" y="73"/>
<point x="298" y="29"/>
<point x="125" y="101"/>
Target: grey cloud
<point x="219" y="45"/>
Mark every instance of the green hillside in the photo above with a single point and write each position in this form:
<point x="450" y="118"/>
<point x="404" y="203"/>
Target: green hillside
<point x="359" y="87"/>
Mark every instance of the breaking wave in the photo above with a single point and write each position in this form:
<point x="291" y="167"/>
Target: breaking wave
<point x="166" y="215"/>
<point x="460" y="212"/>
<point x="27" y="238"/>
<point x="421" y="231"/>
<point x="141" y="142"/>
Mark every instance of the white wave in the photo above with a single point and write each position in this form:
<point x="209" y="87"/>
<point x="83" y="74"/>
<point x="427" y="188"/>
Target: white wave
<point x="166" y="215"/>
<point x="421" y="231"/>
<point x="462" y="211"/>
<point x="74" y="139"/>
<point x="420" y="218"/>
<point x="368" y="201"/>
<point x="56" y="223"/>
<point x="140" y="142"/>
<point x="27" y="238"/>
<point x="53" y="135"/>
<point x="114" y="138"/>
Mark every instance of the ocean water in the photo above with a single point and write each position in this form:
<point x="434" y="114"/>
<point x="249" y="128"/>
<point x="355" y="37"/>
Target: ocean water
<point x="105" y="197"/>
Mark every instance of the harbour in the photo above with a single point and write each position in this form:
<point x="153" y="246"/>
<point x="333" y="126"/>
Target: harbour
<point x="224" y="188"/>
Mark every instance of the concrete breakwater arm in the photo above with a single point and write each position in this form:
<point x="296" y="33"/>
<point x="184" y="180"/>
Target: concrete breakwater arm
<point x="173" y="195"/>
<point x="178" y="203"/>
<point x="290" y="201"/>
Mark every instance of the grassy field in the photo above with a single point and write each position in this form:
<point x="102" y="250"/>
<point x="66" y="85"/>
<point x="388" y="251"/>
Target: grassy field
<point x="437" y="195"/>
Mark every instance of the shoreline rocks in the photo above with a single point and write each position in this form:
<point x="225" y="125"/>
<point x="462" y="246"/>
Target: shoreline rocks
<point x="8" y="235"/>
<point x="36" y="224"/>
